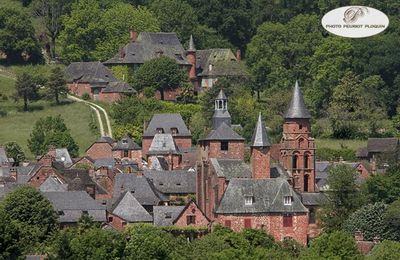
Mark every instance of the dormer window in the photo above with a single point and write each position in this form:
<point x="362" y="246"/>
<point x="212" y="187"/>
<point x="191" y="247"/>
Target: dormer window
<point x="60" y="213"/>
<point x="287" y="200"/>
<point x="174" y="131"/>
<point x="159" y="130"/>
<point x="248" y="200"/>
<point x="124" y="141"/>
<point x="168" y="215"/>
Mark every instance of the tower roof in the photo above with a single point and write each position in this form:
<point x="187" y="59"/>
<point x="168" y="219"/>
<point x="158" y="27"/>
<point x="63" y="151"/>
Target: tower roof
<point x="260" y="138"/>
<point x="221" y="95"/>
<point x="191" y="44"/>
<point x="297" y="108"/>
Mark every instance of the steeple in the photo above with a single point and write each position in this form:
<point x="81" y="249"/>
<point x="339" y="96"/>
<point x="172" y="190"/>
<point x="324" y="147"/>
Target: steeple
<point x="221" y="114"/>
<point x="260" y="138"/>
<point x="297" y="108"/>
<point x="191" y="44"/>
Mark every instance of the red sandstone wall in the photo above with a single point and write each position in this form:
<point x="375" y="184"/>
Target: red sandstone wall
<point x="110" y="97"/>
<point x="235" y="150"/>
<point x="169" y="95"/>
<point x="41" y="176"/>
<point x="116" y="222"/>
<point x="100" y="150"/>
<point x="79" y="89"/>
<point x="192" y="210"/>
<point x="183" y="142"/>
<point x="260" y="163"/>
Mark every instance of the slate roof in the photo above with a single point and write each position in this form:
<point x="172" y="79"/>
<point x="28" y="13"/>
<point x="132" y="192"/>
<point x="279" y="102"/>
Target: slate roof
<point x="118" y="87"/>
<point x="150" y="45"/>
<point x="105" y="139"/>
<point x="362" y="152"/>
<point x="89" y="72"/>
<point x="191" y="44"/>
<point x="223" y="63"/>
<point x="62" y="155"/>
<point x="381" y="145"/>
<point x="140" y="187"/>
<point x="166" y="215"/>
<point x="72" y="204"/>
<point x="167" y="122"/>
<point x="223" y="132"/>
<point x="104" y="162"/>
<point x="126" y="143"/>
<point x="77" y="179"/>
<point x="52" y="183"/>
<point x="172" y="182"/>
<point x="231" y="168"/>
<point x="163" y="144"/>
<point x="268" y="197"/>
<point x="260" y="138"/>
<point x="7" y="188"/>
<point x="129" y="209"/>
<point x="158" y="163"/>
<point x="297" y="108"/>
<point x="311" y="198"/>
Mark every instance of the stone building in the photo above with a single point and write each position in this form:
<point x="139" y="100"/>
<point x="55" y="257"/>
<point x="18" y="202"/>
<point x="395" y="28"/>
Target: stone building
<point x="275" y="197"/>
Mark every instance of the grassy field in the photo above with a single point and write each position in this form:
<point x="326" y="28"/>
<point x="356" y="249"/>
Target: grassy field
<point x="17" y="125"/>
<point x="337" y="144"/>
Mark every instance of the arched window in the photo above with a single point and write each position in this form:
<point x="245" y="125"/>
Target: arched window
<point x="306" y="160"/>
<point x="306" y="183"/>
<point x="295" y="158"/>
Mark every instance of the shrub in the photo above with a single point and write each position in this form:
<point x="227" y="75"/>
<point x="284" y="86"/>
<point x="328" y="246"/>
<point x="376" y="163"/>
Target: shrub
<point x="85" y="96"/>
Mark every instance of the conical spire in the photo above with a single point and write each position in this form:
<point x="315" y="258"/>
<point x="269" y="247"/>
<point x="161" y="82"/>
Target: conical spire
<point x="297" y="108"/>
<point x="260" y="138"/>
<point x="191" y="44"/>
<point x="221" y="95"/>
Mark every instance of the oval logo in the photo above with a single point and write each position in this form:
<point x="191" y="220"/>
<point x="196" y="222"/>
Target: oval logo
<point x="355" y="21"/>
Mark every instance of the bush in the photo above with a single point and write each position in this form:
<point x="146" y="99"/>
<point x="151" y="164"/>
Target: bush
<point x="85" y="96"/>
<point x="329" y="154"/>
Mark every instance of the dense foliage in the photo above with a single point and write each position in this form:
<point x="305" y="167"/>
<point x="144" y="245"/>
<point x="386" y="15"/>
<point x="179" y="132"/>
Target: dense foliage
<point x="13" y="150"/>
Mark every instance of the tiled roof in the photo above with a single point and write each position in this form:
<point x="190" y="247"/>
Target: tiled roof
<point x="126" y="143"/>
<point x="52" y="183"/>
<point x="223" y="132"/>
<point x="218" y="62"/>
<point x="158" y="163"/>
<point x="311" y="198"/>
<point x="118" y="87"/>
<point x="150" y="45"/>
<point x="172" y="182"/>
<point x="167" y="122"/>
<point x="380" y="145"/>
<point x="163" y="144"/>
<point x="297" y="108"/>
<point x="104" y="162"/>
<point x="129" y="209"/>
<point x="89" y="72"/>
<point x="166" y="215"/>
<point x="268" y="197"/>
<point x="231" y="168"/>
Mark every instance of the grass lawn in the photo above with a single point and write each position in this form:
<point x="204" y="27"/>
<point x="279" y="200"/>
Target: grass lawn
<point x="17" y="125"/>
<point x="338" y="143"/>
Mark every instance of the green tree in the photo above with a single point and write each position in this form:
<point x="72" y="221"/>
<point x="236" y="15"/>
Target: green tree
<point x="17" y="39"/>
<point x="175" y="16"/>
<point x="392" y="219"/>
<point x="385" y="250"/>
<point x="342" y="198"/>
<point x="25" y="89"/>
<point x="51" y="131"/>
<point x="56" y="84"/>
<point x="32" y="214"/>
<point x="14" y="151"/>
<point x="9" y="237"/>
<point x="337" y="245"/>
<point x="160" y="74"/>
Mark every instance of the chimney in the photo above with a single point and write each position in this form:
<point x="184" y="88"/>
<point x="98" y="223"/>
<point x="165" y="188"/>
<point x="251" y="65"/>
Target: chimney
<point x="376" y="240"/>
<point x="13" y="173"/>
<point x="132" y="35"/>
<point x="358" y="235"/>
<point x="52" y="151"/>
<point x="238" y="55"/>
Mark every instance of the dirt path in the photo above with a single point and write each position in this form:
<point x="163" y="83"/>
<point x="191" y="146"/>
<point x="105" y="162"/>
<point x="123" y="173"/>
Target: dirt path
<point x="97" y="108"/>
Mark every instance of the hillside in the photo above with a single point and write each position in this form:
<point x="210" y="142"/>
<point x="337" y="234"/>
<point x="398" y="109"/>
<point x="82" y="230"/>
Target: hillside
<point x="17" y="125"/>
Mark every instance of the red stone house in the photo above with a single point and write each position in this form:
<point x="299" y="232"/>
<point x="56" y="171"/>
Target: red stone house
<point x="127" y="149"/>
<point x="100" y="149"/>
<point x="277" y="198"/>
<point x="163" y="145"/>
<point x="96" y="80"/>
<point x="180" y="216"/>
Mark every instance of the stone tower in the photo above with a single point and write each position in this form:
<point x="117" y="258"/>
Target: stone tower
<point x="221" y="114"/>
<point x="297" y="153"/>
<point x="260" y="152"/>
<point x="191" y="56"/>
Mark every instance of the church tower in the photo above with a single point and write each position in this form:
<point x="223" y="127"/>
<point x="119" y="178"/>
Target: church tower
<point x="260" y="152"/>
<point x="221" y="113"/>
<point x="297" y="146"/>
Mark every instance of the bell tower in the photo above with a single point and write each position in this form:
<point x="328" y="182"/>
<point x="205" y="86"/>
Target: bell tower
<point x="297" y="153"/>
<point x="221" y="113"/>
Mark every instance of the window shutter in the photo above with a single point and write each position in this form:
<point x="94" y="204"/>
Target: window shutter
<point x="247" y="223"/>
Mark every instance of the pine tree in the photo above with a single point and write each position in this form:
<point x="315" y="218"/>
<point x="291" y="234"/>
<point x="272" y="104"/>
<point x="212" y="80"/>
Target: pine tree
<point x="56" y="85"/>
<point x="25" y="88"/>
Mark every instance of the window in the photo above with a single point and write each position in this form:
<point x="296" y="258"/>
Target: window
<point x="300" y="126"/>
<point x="110" y="219"/>
<point x="174" y="131"/>
<point x="228" y="223"/>
<point x="123" y="223"/>
<point x="247" y="223"/>
<point x="124" y="141"/>
<point x="306" y="183"/>
<point x="224" y="146"/>
<point x="312" y="216"/>
<point x="191" y="219"/>
<point x="168" y="215"/>
<point x="306" y="158"/>
<point x="248" y="200"/>
<point x="161" y="184"/>
<point x="85" y="212"/>
<point x="287" y="220"/>
<point x="294" y="161"/>
<point x="159" y="131"/>
<point x="287" y="200"/>
<point x="126" y="153"/>
<point x="60" y="213"/>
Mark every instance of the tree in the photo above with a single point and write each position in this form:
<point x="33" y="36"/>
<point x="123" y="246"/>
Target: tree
<point x="17" y="36"/>
<point x="51" y="131"/>
<point x="32" y="214"/>
<point x="342" y="198"/>
<point x="15" y="151"/>
<point x="337" y="245"/>
<point x="56" y="85"/>
<point x="385" y="250"/>
<point x="175" y="16"/>
<point x="9" y="237"/>
<point x="50" y="13"/>
<point x="25" y="89"/>
<point x="160" y="74"/>
<point x="392" y="219"/>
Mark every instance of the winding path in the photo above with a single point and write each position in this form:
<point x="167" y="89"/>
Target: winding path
<point x="97" y="108"/>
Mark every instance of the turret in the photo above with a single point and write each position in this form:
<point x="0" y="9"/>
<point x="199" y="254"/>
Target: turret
<point x="191" y="56"/>
<point x="221" y="114"/>
<point x="260" y="152"/>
